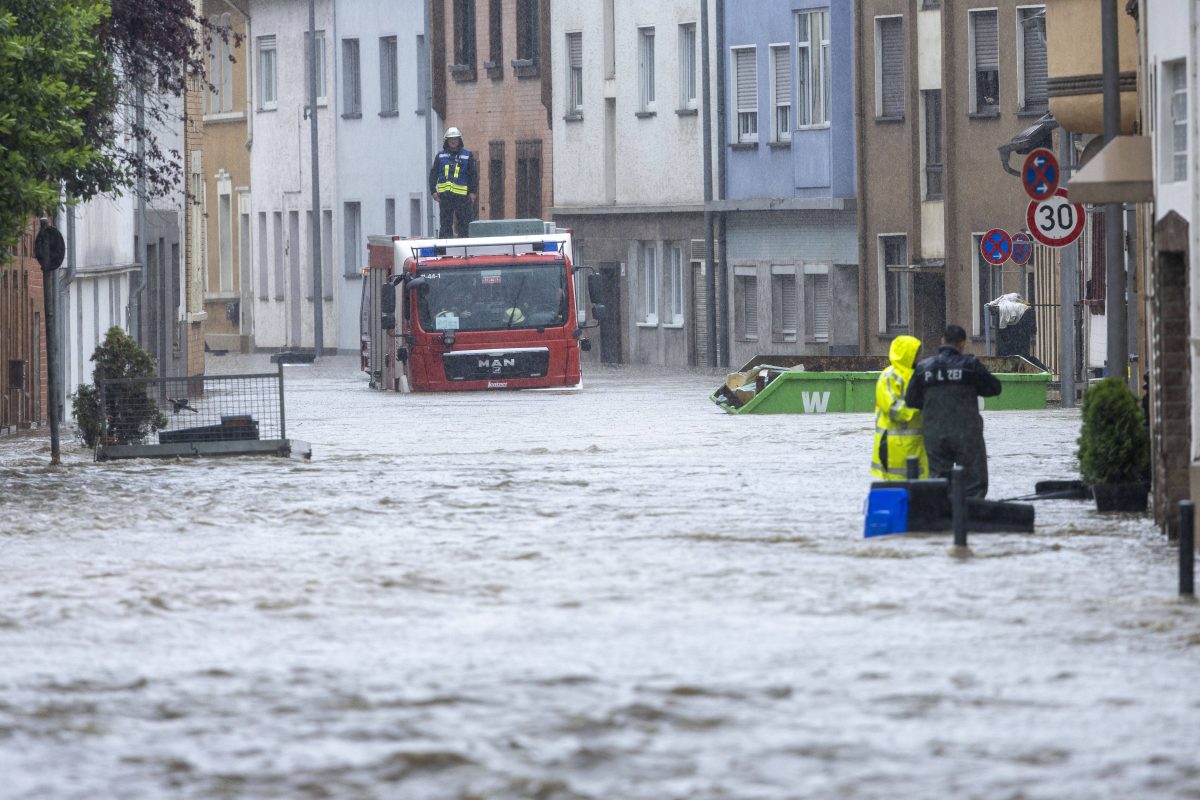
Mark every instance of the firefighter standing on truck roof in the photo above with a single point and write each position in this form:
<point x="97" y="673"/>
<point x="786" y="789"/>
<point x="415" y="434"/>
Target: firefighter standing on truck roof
<point x="897" y="426"/>
<point x="947" y="388"/>
<point x="454" y="184"/>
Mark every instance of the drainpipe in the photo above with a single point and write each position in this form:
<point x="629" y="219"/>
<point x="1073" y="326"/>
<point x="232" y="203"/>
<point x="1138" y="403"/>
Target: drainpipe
<point x="314" y="152"/>
<point x="722" y="128"/>
<point x="427" y="104"/>
<point x="1114" y="227"/>
<point x="710" y="275"/>
<point x="135" y="293"/>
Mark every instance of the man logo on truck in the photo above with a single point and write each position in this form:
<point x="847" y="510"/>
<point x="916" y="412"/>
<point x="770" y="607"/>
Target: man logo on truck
<point x="497" y="364"/>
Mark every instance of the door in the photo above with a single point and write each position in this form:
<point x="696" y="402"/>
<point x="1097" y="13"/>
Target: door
<point x="929" y="309"/>
<point x="610" y="326"/>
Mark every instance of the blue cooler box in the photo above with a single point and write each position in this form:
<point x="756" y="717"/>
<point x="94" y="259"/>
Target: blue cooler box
<point x="887" y="512"/>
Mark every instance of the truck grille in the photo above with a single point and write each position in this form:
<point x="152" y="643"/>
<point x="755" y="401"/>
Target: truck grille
<point x="479" y="365"/>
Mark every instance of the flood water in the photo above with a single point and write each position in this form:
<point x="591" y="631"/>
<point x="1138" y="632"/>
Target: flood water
<point x="619" y="594"/>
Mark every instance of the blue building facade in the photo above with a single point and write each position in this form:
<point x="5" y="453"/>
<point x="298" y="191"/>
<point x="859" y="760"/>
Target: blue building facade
<point x="789" y="178"/>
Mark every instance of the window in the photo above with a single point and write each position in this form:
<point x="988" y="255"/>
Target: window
<point x="415" y="225"/>
<point x="351" y="80"/>
<point x="263" y="267"/>
<point x="894" y="256"/>
<point x="812" y="49"/>
<point x="527" y="30"/>
<point x="647" y="283"/>
<point x="495" y="33"/>
<point x="781" y="93"/>
<point x="745" y="83"/>
<point x="389" y="89"/>
<point x="464" y="33"/>
<point x="1174" y="148"/>
<point x="675" y="286"/>
<point x="745" y="303"/>
<point x="985" y="63"/>
<point x="816" y="303"/>
<point x="220" y="73"/>
<point x="889" y="67"/>
<point x="280" y="247"/>
<point x="687" y="65"/>
<point x="574" y="75"/>
<point x="352" y="230"/>
<point x="267" y="98"/>
<point x="496" y="180"/>
<point x="389" y="216"/>
<point x="610" y="37"/>
<point x="990" y="285"/>
<point x="322" y="94"/>
<point x="646" y="68"/>
<point x="1031" y="58"/>
<point x="931" y="102"/>
<point x="529" y="179"/>
<point x="225" y="240"/>
<point x="785" y="304"/>
<point x="327" y="254"/>
<point x="422" y="73"/>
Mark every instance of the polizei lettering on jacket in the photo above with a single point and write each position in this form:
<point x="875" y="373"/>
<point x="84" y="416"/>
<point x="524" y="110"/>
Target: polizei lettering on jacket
<point x="943" y="376"/>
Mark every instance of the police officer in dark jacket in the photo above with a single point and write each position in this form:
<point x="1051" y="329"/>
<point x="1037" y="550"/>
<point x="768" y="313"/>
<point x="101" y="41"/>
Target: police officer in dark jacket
<point x="454" y="184"/>
<point x="946" y="388"/>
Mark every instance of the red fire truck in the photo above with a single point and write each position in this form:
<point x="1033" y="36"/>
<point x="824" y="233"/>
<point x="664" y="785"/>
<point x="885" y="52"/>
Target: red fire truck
<point x="496" y="310"/>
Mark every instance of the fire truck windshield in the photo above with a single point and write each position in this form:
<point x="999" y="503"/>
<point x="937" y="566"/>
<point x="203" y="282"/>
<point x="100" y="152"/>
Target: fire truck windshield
<point x="489" y="297"/>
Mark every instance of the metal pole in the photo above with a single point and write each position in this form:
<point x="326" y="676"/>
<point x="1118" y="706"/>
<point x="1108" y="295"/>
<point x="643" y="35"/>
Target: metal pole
<point x="710" y="269"/>
<point x="318" y="290"/>
<point x="282" y="416"/>
<point x="139" y="289"/>
<point x="1114" y="234"/>
<point x="723" y="292"/>
<point x="427" y="104"/>
<point x="1068" y="271"/>
<point x="1187" y="548"/>
<point x="49" y="300"/>
<point x="958" y="505"/>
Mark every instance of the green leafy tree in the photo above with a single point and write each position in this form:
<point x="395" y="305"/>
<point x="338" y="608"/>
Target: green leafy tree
<point x="1114" y="446"/>
<point x="71" y="73"/>
<point x="128" y="412"/>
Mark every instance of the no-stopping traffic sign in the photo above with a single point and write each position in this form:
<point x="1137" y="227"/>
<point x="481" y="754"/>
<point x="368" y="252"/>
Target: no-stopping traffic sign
<point x="1055" y="221"/>
<point x="995" y="246"/>
<point x="1022" y="250"/>
<point x="1039" y="176"/>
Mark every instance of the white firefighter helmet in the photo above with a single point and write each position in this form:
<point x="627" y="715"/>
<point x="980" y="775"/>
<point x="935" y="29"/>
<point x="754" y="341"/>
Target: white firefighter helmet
<point x="453" y="133"/>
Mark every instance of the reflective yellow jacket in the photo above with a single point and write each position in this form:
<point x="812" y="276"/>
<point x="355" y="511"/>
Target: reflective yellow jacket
<point x="897" y="427"/>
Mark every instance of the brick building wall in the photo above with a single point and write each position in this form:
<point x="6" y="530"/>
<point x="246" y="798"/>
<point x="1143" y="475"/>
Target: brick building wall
<point x="1170" y="376"/>
<point x="23" y="379"/>
<point x="498" y="95"/>
<point x="193" y="226"/>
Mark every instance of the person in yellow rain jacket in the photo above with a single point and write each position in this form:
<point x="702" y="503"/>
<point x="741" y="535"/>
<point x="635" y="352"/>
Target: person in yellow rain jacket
<point x="897" y="427"/>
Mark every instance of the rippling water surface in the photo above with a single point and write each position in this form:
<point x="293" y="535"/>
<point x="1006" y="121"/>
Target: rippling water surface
<point x="622" y="593"/>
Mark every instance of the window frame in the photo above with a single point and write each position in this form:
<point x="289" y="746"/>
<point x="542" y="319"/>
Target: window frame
<point x="781" y="276"/>
<point x="812" y="68"/>
<point x="267" y="50"/>
<point x="574" y="93"/>
<point x="389" y="76"/>
<point x="815" y="271"/>
<point x="528" y="31"/>
<point x="674" y="290"/>
<point x="744" y="117"/>
<point x="780" y="135"/>
<point x="218" y="99"/>
<point x="351" y="78"/>
<point x="647" y="95"/>
<point x="322" y="83"/>
<point x="648" y="284"/>
<point x="973" y="101"/>
<point x="1023" y="103"/>
<point x="742" y="277"/>
<point x="351" y="233"/>
<point x="465" y="45"/>
<point x="688" y="74"/>
<point x="881" y="112"/>
<point x="901" y="322"/>
<point x="1174" y="127"/>
<point x="930" y="166"/>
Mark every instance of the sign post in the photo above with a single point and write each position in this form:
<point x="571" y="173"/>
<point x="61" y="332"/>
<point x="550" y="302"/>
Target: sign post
<point x="49" y="250"/>
<point x="1055" y="221"/>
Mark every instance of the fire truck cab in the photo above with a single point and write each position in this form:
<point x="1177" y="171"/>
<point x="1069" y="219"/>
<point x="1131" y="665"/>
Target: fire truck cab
<point x="496" y="310"/>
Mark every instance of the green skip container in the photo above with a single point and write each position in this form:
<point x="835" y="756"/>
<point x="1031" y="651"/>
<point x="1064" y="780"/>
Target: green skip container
<point x="828" y="384"/>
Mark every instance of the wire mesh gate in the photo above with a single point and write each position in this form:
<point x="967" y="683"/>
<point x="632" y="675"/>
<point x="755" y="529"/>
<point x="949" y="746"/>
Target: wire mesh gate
<point x="218" y="414"/>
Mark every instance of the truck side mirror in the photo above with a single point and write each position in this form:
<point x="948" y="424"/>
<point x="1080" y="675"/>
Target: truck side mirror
<point x="595" y="284"/>
<point x="599" y="312"/>
<point x="420" y="284"/>
<point x="387" y="299"/>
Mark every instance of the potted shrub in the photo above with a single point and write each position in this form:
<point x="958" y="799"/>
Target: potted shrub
<point x="1114" y="447"/>
<point x="130" y="413"/>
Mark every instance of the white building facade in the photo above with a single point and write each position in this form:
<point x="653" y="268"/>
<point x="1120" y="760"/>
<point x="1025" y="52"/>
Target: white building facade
<point x="282" y="216"/>
<point x="386" y="134"/>
<point x="629" y="167"/>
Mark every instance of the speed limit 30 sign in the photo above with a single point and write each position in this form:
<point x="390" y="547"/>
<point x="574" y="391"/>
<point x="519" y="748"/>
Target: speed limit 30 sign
<point x="1055" y="221"/>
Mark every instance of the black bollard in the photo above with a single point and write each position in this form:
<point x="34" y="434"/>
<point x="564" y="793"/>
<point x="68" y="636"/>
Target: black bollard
<point x="913" y="468"/>
<point x="1187" y="548"/>
<point x="958" y="505"/>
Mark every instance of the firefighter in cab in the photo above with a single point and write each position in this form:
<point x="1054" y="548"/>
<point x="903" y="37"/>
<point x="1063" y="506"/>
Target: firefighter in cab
<point x="454" y="184"/>
<point x="897" y="426"/>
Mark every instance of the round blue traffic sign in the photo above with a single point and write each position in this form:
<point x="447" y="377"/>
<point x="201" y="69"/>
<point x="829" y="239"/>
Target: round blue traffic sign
<point x="996" y="246"/>
<point x="1040" y="174"/>
<point x="1022" y="248"/>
